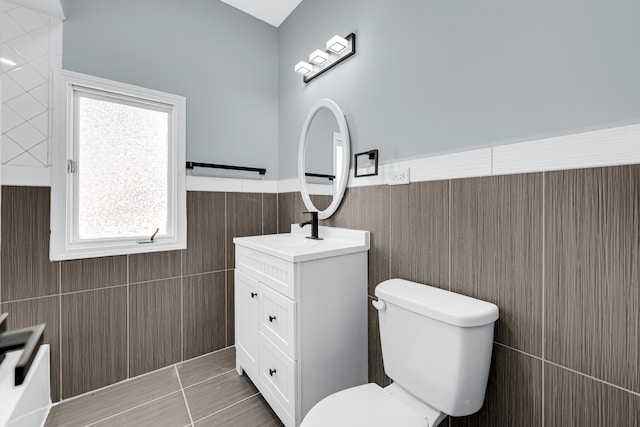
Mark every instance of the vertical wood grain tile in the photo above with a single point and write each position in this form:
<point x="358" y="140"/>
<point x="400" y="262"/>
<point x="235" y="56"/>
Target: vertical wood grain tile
<point x="204" y="314"/>
<point x="592" y="277"/>
<point x="244" y="218"/>
<point x="205" y="233"/>
<point x="269" y="213"/>
<point x="376" y="365"/>
<point x="154" y="266"/>
<point x="369" y="210"/>
<point x="496" y="252"/>
<point x="514" y="392"/>
<point x="342" y="216"/>
<point x="321" y="201"/>
<point x="420" y="232"/>
<point x="231" y="320"/>
<point x="26" y="269"/>
<point x="93" y="273"/>
<point x="571" y="399"/>
<point x="94" y="340"/>
<point x="290" y="208"/>
<point x="24" y="314"/>
<point x="154" y="326"/>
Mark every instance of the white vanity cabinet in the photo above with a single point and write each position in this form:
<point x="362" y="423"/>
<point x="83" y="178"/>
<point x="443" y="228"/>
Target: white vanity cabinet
<point x="301" y="316"/>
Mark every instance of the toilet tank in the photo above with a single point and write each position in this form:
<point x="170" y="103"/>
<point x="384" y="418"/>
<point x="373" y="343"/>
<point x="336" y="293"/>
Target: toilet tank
<point x="436" y="344"/>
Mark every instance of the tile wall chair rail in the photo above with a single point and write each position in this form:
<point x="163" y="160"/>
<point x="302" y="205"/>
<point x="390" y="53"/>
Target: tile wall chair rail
<point x="604" y="147"/>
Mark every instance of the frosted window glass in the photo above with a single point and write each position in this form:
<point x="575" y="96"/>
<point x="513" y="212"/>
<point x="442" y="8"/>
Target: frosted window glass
<point x="122" y="168"/>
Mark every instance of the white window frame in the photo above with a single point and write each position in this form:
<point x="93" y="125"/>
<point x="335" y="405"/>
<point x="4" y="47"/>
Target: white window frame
<point x="65" y="244"/>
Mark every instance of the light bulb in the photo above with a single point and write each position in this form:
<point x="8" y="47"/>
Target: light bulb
<point x="337" y="44"/>
<point x="303" y="68"/>
<point x="319" y="57"/>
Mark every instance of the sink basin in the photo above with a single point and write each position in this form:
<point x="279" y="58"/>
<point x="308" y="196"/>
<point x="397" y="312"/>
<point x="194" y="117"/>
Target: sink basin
<point x="295" y="247"/>
<point x="290" y="241"/>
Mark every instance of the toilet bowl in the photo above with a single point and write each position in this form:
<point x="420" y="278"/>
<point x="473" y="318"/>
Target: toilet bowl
<point x="436" y="347"/>
<point x="370" y="405"/>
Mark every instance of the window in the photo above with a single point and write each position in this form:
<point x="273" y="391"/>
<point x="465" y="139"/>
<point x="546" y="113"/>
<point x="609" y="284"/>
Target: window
<point x="118" y="183"/>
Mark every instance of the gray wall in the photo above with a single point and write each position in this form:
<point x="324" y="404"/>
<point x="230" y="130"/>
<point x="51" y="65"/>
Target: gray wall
<point x="319" y="145"/>
<point x="444" y="76"/>
<point x="222" y="60"/>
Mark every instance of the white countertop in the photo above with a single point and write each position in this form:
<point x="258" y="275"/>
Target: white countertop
<point x="295" y="247"/>
<point x="31" y="400"/>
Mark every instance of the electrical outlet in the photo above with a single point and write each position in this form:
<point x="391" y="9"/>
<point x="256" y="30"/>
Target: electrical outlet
<point x="399" y="176"/>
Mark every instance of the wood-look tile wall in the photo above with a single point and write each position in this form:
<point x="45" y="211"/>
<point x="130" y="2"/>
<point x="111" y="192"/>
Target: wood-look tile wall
<point x="558" y="252"/>
<point x="113" y="318"/>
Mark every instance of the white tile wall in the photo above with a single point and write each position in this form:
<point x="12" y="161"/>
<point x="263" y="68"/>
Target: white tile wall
<point x="33" y="41"/>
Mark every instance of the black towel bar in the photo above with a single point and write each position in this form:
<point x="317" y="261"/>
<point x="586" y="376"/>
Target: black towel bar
<point x="320" y="175"/>
<point x="191" y="165"/>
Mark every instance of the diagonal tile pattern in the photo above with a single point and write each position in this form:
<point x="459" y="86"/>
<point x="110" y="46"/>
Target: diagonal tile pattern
<point x="33" y="41"/>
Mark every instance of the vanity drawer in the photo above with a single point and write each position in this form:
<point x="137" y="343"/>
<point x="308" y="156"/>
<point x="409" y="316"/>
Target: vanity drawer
<point x="277" y="319"/>
<point x="274" y="272"/>
<point x="278" y="374"/>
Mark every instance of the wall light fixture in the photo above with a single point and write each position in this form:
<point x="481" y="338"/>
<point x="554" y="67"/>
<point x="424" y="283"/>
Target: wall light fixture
<point x="338" y="49"/>
<point x="319" y="57"/>
<point x="337" y="44"/>
<point x="303" y="68"/>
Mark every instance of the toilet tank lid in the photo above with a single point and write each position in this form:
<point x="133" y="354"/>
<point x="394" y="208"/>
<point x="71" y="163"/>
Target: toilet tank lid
<point x="445" y="306"/>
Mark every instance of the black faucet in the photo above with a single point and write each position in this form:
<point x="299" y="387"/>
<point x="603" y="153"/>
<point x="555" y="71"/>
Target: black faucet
<point x="314" y="226"/>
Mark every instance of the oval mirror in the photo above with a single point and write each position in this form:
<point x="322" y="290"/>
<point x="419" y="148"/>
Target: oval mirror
<point x="323" y="158"/>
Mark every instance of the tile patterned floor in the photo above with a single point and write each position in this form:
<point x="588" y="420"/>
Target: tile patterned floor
<point x="205" y="391"/>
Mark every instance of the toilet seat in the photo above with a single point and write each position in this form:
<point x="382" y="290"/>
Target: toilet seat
<point x="366" y="405"/>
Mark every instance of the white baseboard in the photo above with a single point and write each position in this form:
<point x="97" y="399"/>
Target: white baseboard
<point x="26" y="176"/>
<point x="231" y="185"/>
<point x="606" y="147"/>
<point x="449" y="166"/>
<point x="293" y="184"/>
<point x="288" y="185"/>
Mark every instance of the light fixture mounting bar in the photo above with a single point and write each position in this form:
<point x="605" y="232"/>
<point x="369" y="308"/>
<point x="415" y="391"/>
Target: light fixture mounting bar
<point x="334" y="59"/>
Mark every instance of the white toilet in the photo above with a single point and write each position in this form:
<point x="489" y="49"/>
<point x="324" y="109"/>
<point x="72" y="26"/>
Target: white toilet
<point x="436" y="347"/>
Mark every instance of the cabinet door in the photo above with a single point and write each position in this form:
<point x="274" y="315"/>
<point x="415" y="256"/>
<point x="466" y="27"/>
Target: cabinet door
<point x="247" y="307"/>
<point x="277" y="319"/>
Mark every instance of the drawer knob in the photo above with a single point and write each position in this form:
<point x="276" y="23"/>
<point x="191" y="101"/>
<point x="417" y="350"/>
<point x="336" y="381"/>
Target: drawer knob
<point x="272" y="318"/>
<point x="253" y="294"/>
<point x="272" y="372"/>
